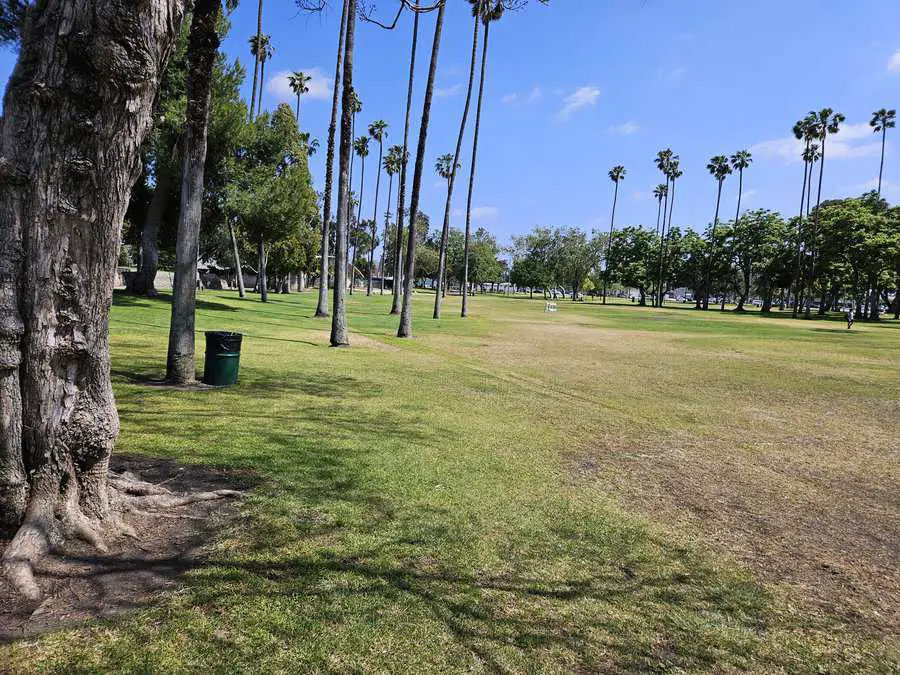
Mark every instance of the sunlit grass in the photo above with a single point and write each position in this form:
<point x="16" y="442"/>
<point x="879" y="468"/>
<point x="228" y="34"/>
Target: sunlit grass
<point x="418" y="507"/>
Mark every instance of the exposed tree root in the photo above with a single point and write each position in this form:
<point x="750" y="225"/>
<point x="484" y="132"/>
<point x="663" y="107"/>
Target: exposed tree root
<point x="47" y="525"/>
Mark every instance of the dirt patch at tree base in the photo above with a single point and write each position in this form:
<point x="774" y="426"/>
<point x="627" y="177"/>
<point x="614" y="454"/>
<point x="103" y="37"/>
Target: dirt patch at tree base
<point x="79" y="584"/>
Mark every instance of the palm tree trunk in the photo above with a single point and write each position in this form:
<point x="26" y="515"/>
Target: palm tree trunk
<point x="375" y="217"/>
<point x="445" y="232"/>
<point x="298" y="111"/>
<point x="405" y="329"/>
<point x="799" y="269"/>
<point x="339" y="334"/>
<point x="815" y="231"/>
<point x="387" y="222"/>
<point x="881" y="166"/>
<point x="661" y="291"/>
<point x="362" y="181"/>
<point x="203" y="45"/>
<point x="401" y="195"/>
<point x="322" y="305"/>
<point x="612" y="221"/>
<point x="484" y="52"/>
<point x="262" y="81"/>
<point x="712" y="243"/>
<point x="256" y="60"/>
<point x="664" y="214"/>
<point x="242" y="292"/>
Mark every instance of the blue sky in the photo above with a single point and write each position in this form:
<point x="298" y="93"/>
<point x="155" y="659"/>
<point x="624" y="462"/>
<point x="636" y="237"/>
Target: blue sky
<point x="582" y="85"/>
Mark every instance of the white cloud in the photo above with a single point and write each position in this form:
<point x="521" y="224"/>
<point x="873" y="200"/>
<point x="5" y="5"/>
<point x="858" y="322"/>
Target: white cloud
<point x="580" y="98"/>
<point x="894" y="62"/>
<point x="840" y="146"/>
<point x="746" y="194"/>
<point x="671" y="75"/>
<point x="534" y="95"/>
<point x="320" y="86"/>
<point x="626" y="128"/>
<point x="447" y="92"/>
<point x="510" y="98"/>
<point x="888" y="187"/>
<point x="480" y="212"/>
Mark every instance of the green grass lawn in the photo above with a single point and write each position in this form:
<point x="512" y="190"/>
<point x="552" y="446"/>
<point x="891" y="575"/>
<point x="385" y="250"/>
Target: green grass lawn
<point x="603" y="488"/>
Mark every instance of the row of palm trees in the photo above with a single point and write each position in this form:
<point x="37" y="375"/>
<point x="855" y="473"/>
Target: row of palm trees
<point x="813" y="130"/>
<point x="396" y="161"/>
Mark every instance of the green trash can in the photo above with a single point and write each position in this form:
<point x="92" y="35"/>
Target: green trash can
<point x="223" y="358"/>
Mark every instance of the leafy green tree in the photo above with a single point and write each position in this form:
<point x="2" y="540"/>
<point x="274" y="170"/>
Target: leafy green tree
<point x="616" y="174"/>
<point x="272" y="196"/>
<point x="757" y="240"/>
<point x="881" y="121"/>
<point x="631" y="255"/>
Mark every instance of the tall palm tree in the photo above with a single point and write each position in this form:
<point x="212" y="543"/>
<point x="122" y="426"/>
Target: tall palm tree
<point x="672" y="175"/>
<point x="378" y="132"/>
<point x="339" y="333"/>
<point x="616" y="174"/>
<point x="255" y="41"/>
<point x="663" y="162"/>
<point x="404" y="164"/>
<point x="391" y="167"/>
<point x="881" y="121"/>
<point x="264" y="49"/>
<point x="322" y="304"/>
<point x="445" y="168"/>
<point x="490" y="11"/>
<point x="405" y="328"/>
<point x="719" y="168"/>
<point x="355" y="107"/>
<point x="299" y="81"/>
<point x="826" y="122"/>
<point x="740" y="160"/>
<point x="361" y="147"/>
<point x="802" y="131"/>
<point x="454" y="165"/>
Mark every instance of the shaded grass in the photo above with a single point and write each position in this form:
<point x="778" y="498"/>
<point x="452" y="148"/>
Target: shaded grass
<point x="418" y="508"/>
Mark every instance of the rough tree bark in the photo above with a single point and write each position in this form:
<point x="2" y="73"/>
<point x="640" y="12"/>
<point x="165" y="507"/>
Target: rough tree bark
<point x="405" y="329"/>
<point x="77" y="108"/>
<point x="242" y="292"/>
<point x="339" y="336"/>
<point x="203" y="45"/>
<point x="322" y="306"/>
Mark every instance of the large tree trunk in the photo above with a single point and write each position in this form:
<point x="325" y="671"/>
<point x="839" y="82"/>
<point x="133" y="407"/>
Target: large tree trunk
<point x="405" y="329"/>
<point x="401" y="190"/>
<point x="261" y="279"/>
<point x="203" y="44"/>
<point x="78" y="106"/>
<point x="464" y="312"/>
<point x="339" y="335"/>
<point x="143" y="283"/>
<point x="322" y="305"/>
<point x="445" y="232"/>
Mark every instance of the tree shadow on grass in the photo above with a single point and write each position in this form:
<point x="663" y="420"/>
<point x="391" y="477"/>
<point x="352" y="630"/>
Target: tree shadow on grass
<point x="124" y="299"/>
